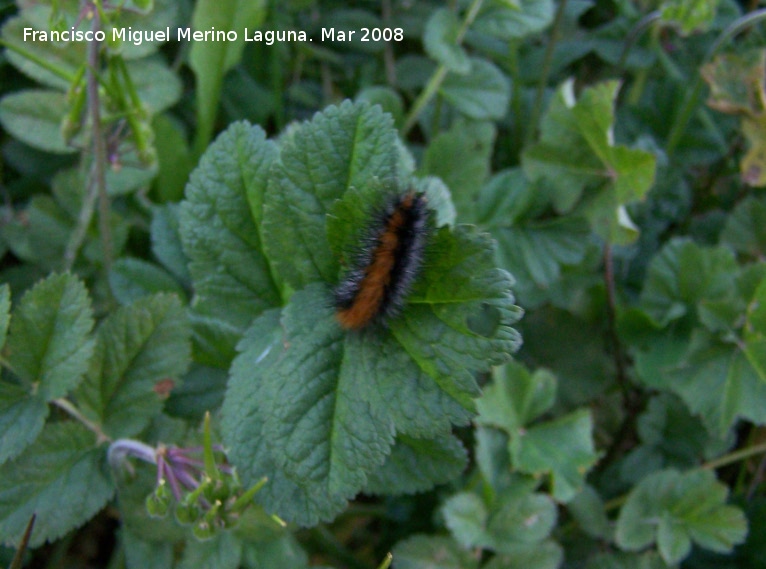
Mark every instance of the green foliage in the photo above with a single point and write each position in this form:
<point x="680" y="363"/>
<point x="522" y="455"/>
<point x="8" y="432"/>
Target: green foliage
<point x="327" y="422"/>
<point x="65" y="481"/>
<point x="168" y="336"/>
<point x="675" y="509"/>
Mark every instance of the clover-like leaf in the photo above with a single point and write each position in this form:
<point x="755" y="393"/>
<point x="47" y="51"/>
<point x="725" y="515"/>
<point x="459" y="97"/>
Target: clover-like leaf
<point x="718" y="381"/>
<point x="440" y="41"/>
<point x="516" y="397"/>
<point x="674" y="509"/>
<point x="510" y="20"/>
<point x="424" y="552"/>
<point x="683" y="274"/>
<point x="466" y="517"/>
<point x="562" y="448"/>
<point x="577" y="151"/>
<point x="745" y="228"/>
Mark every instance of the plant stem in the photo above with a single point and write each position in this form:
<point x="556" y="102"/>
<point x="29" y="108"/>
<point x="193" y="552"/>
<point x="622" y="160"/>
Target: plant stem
<point x="441" y="72"/>
<point x="691" y="100"/>
<point x="547" y="61"/>
<point x="611" y="312"/>
<point x="631" y="402"/>
<point x="735" y="456"/>
<point x="389" y="62"/>
<point x="48" y="66"/>
<point x="638" y="30"/>
<point x="67" y="406"/>
<point x="99" y="145"/>
<point x="83" y="222"/>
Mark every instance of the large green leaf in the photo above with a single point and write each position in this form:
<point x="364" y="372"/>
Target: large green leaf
<point x="672" y="509"/>
<point x="49" y="342"/>
<point x="62" y="477"/>
<point x="704" y="353"/>
<point x="138" y="347"/>
<point x="22" y="416"/>
<point x="323" y="404"/>
<point x="231" y="275"/>
<point x="343" y="147"/>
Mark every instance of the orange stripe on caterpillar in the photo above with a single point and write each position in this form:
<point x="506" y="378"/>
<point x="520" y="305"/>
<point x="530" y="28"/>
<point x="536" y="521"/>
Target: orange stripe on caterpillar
<point x="386" y="265"/>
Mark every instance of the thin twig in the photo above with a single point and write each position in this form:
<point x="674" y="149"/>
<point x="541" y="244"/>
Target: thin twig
<point x="67" y="406"/>
<point x="543" y="82"/>
<point x="638" y="30"/>
<point x="631" y="400"/>
<point x="99" y="144"/>
<point x="441" y="72"/>
<point x="77" y="237"/>
<point x="388" y="51"/>
<point x="611" y="313"/>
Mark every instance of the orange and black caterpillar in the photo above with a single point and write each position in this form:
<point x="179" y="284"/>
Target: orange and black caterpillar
<point x="386" y="264"/>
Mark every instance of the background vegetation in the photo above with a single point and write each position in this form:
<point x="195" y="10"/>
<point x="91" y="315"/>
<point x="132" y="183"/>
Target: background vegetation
<point x="168" y="344"/>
